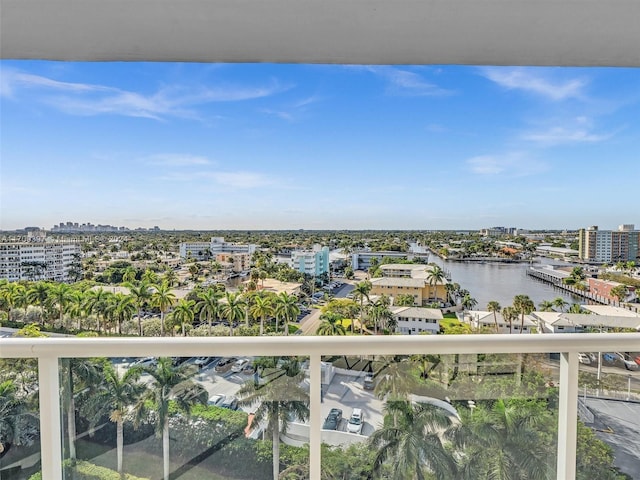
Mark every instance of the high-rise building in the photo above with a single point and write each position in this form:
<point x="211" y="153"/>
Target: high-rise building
<point x="602" y="246"/>
<point x="38" y="259"/>
<point x="205" y="250"/>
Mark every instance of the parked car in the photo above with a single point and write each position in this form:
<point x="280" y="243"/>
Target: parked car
<point x="584" y="358"/>
<point x="201" y="361"/>
<point x="630" y="364"/>
<point x="145" y="362"/>
<point x="356" y="421"/>
<point x="368" y="382"/>
<point x="332" y="422"/>
<point x="225" y="364"/>
<point x="217" y="399"/>
<point x="239" y="365"/>
<point x="229" y="402"/>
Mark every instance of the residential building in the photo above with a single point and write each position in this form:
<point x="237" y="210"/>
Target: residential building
<point x="362" y="260"/>
<point x="38" y="258"/>
<point x="195" y="250"/>
<point x="415" y="320"/>
<point x="314" y="263"/>
<point x="497" y="231"/>
<point x="602" y="288"/>
<point x="605" y="246"/>
<point x="560" y="322"/>
<point x="409" y="279"/>
<point x="238" y="262"/>
<point x="205" y="250"/>
<point x="479" y="319"/>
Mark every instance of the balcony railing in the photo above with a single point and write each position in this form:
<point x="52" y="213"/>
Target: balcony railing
<point x="49" y="351"/>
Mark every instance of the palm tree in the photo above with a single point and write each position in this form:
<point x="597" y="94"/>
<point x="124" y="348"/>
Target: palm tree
<point x="560" y="303"/>
<point x="170" y="277"/>
<point x="18" y="423"/>
<point x="12" y="294"/>
<point x="395" y="378"/>
<point x="410" y="441"/>
<point x="380" y="314"/>
<point x="78" y="379"/>
<point x="163" y="298"/>
<point x="183" y="313"/>
<point x="141" y="294"/>
<point x="38" y="294"/>
<point x="233" y="309"/>
<point x="169" y="382"/>
<point x="331" y="324"/>
<point x="468" y="302"/>
<point x="262" y="309"/>
<point x="524" y="306"/>
<point x="620" y="292"/>
<point x="76" y="308"/>
<point x="546" y="306"/>
<point x="577" y="308"/>
<point x="360" y="292"/>
<point x="494" y="306"/>
<point x="150" y="277"/>
<point x="124" y="308"/>
<point x="115" y="394"/>
<point x="286" y="307"/>
<point x="494" y="441"/>
<point x="209" y="305"/>
<point x="129" y="275"/>
<point x="278" y="401"/>
<point x="509" y="314"/>
<point x="96" y="302"/>
<point x="435" y="276"/>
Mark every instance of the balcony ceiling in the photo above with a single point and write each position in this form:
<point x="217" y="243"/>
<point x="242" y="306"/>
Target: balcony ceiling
<point x="490" y="32"/>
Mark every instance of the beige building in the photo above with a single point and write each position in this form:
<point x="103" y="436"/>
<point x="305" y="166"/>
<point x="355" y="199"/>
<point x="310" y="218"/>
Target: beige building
<point x="409" y="279"/>
<point x="239" y="262"/>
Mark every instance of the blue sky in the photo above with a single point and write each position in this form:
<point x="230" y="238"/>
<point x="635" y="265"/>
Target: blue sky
<point x="264" y="146"/>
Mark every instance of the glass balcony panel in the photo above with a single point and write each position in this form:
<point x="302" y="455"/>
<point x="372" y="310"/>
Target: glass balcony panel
<point x="609" y="408"/>
<point x="19" y="419"/>
<point x="220" y="416"/>
<point x="445" y="408"/>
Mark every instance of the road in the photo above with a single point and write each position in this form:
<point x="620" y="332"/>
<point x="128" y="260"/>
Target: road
<point x="311" y="322"/>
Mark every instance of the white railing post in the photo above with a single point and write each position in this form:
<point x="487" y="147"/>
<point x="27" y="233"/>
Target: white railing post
<point x="567" y="416"/>
<point x="50" y="431"/>
<point x="315" y="420"/>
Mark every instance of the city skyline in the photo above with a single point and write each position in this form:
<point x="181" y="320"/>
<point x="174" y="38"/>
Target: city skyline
<point x="261" y="146"/>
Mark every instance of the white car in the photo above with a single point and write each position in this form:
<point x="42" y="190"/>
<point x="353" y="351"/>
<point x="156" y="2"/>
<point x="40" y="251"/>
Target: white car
<point x="201" y="361"/>
<point x="584" y="358"/>
<point x="239" y="365"/>
<point x="356" y="421"/>
<point x="217" y="399"/>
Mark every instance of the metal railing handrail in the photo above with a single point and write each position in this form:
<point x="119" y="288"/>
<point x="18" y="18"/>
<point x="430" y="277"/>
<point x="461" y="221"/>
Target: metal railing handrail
<point x="324" y="345"/>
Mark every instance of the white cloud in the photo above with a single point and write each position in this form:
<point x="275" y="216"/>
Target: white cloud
<point x="88" y="99"/>
<point x="535" y="81"/>
<point x="515" y="164"/>
<point x="236" y="180"/>
<point x="404" y="82"/>
<point x="177" y="160"/>
<point x="560" y="135"/>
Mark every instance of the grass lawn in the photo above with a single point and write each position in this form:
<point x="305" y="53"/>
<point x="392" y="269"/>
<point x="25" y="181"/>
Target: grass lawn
<point x="139" y="462"/>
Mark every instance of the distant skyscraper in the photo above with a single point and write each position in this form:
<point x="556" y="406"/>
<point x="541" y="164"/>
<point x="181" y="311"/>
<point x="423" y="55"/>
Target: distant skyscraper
<point x="605" y="246"/>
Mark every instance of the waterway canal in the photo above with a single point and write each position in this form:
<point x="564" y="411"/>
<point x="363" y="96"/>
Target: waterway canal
<point x="502" y="281"/>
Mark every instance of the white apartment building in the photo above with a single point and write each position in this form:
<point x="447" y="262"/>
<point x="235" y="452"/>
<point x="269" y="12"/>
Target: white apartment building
<point x="37" y="259"/>
<point x="416" y="320"/>
<point x="206" y="250"/>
